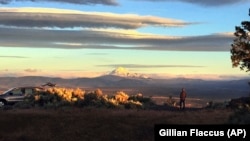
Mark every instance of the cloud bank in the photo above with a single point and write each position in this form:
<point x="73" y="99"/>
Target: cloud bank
<point x="116" y="2"/>
<point x="203" y="2"/>
<point x="149" y="66"/>
<point x="84" y="2"/>
<point x="108" y="39"/>
<point x="38" y="28"/>
<point x="48" y="17"/>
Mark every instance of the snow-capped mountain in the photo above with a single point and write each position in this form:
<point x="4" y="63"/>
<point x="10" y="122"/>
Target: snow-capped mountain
<point x="123" y="72"/>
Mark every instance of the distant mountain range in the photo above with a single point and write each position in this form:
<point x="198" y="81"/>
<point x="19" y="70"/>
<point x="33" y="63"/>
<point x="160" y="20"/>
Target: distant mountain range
<point x="121" y="79"/>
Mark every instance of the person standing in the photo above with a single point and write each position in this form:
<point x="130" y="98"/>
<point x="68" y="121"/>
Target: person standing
<point x="183" y="95"/>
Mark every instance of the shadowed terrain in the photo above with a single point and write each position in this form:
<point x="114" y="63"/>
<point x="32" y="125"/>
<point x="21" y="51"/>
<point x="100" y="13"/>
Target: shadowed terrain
<point x="98" y="124"/>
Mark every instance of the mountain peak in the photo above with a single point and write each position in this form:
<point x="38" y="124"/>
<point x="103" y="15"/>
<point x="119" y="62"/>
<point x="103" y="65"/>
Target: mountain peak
<point x="120" y="71"/>
<point x="123" y="72"/>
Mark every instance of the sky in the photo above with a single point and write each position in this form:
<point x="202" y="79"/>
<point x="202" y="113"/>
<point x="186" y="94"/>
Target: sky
<point x="89" y="38"/>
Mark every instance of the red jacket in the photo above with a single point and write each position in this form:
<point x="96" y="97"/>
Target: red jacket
<point x="183" y="95"/>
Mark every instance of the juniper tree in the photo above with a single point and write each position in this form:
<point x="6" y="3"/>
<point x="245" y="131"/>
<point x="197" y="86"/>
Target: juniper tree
<point x="240" y="51"/>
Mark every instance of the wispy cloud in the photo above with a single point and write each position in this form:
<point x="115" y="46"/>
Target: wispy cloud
<point x="148" y="66"/>
<point x="85" y="2"/>
<point x="204" y="2"/>
<point x="210" y="76"/>
<point x="108" y="39"/>
<point x="97" y="54"/>
<point x="60" y="18"/>
<point x="18" y="57"/>
<point x="31" y="70"/>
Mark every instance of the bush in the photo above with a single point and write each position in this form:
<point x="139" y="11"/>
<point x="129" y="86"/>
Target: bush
<point x="133" y="105"/>
<point x="145" y="101"/>
<point x="121" y="97"/>
<point x="217" y="105"/>
<point x="241" y="107"/>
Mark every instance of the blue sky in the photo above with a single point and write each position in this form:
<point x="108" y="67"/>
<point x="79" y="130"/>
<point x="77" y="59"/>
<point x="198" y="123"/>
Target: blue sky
<point x="163" y="38"/>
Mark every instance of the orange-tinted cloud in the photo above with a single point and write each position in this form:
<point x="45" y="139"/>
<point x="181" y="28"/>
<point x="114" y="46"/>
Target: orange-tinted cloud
<point x="31" y="70"/>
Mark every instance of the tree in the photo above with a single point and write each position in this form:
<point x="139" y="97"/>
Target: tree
<point x="240" y="51"/>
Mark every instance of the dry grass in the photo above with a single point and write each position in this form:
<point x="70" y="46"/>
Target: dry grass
<point x="97" y="124"/>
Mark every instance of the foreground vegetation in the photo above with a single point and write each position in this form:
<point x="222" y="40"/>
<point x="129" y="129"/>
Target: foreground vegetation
<point x="57" y="97"/>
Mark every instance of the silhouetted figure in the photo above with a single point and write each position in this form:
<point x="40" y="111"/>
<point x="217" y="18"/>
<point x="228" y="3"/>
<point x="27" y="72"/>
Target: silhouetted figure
<point x="183" y="95"/>
<point x="49" y="84"/>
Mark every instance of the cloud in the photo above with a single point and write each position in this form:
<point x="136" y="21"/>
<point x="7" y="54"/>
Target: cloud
<point x="68" y="44"/>
<point x="97" y="54"/>
<point x="210" y="76"/>
<point x="112" y="39"/>
<point x="204" y="2"/>
<point x="21" y="72"/>
<point x="84" y="2"/>
<point x="18" y="57"/>
<point x="61" y="18"/>
<point x="148" y="66"/>
<point x="31" y="70"/>
<point x="115" y="2"/>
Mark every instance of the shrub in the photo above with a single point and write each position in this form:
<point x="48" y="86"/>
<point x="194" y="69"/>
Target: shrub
<point x="78" y="93"/>
<point x="94" y="99"/>
<point x="170" y="102"/>
<point x="60" y="97"/>
<point x="145" y="101"/>
<point x="241" y="107"/>
<point x="52" y="97"/>
<point x="133" y="105"/>
<point x="121" y="97"/>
